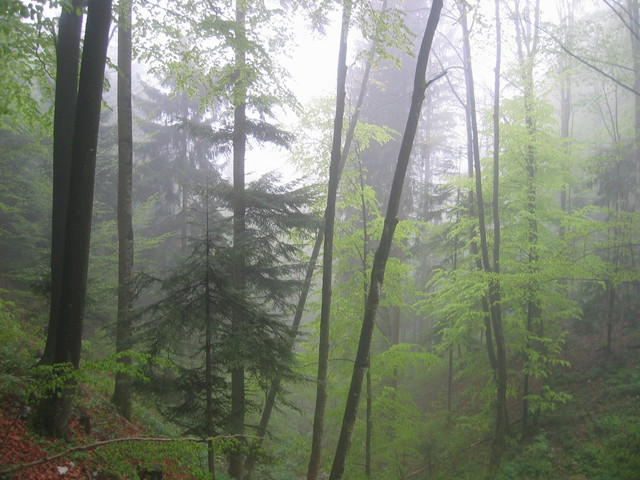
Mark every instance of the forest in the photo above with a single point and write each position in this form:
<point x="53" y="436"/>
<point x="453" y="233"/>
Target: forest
<point x="320" y="239"/>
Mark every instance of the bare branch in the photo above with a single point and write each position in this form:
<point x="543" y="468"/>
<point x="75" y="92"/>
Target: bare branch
<point x="589" y="64"/>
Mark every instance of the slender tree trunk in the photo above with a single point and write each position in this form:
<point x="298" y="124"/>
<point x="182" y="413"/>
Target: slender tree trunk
<point x="498" y="360"/>
<point x="184" y="217"/>
<point x="236" y="462"/>
<point x="67" y="65"/>
<point x="634" y="18"/>
<point x="365" y="287"/>
<point x="275" y="386"/>
<point x="78" y="222"/>
<point x="369" y="433"/>
<point x="122" y="393"/>
<point x="487" y="333"/>
<point x="527" y="49"/>
<point x="327" y="260"/>
<point x="209" y="427"/>
<point x="382" y="253"/>
<point x="567" y="21"/>
<point x="495" y="293"/>
<point x="364" y="84"/>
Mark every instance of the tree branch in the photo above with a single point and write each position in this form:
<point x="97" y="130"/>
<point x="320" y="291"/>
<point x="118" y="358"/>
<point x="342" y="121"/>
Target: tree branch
<point x="591" y="66"/>
<point x="92" y="446"/>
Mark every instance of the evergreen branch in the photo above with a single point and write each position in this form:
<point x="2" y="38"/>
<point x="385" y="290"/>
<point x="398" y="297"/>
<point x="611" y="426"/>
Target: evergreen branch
<point x="92" y="446"/>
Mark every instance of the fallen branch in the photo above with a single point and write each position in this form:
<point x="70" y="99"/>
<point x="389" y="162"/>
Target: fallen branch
<point x="92" y="446"/>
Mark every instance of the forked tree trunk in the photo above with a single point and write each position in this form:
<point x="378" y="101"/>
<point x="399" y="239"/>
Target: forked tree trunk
<point x="67" y="64"/>
<point x="78" y="222"/>
<point x="382" y="253"/>
<point x="327" y="260"/>
<point x="122" y="392"/>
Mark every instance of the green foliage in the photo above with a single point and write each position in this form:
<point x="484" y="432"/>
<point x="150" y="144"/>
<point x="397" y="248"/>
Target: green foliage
<point x="20" y="341"/>
<point x="27" y="59"/>
<point x="175" y="325"/>
<point x="24" y="206"/>
<point x="47" y="379"/>
<point x="402" y="359"/>
<point x="533" y="462"/>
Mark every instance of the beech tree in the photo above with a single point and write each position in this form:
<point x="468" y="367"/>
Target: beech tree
<point x="67" y="66"/>
<point x="67" y="330"/>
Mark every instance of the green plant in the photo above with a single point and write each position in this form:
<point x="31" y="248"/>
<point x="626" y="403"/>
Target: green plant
<point x="532" y="462"/>
<point x="18" y="345"/>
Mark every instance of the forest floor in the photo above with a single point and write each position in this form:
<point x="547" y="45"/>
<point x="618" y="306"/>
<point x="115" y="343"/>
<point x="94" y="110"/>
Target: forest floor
<point x="594" y="435"/>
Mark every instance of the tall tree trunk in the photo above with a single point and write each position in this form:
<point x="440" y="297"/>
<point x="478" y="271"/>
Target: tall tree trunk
<point x="495" y="295"/>
<point x="239" y="226"/>
<point x="369" y="429"/>
<point x="567" y="21"/>
<point x="78" y="222"/>
<point x="487" y="333"/>
<point x="497" y="356"/>
<point x="122" y="391"/>
<point x="50" y="418"/>
<point x="527" y="45"/>
<point x="67" y="65"/>
<point x="327" y="260"/>
<point x="382" y="253"/>
<point x="634" y="31"/>
<point x="209" y="427"/>
<point x="275" y="386"/>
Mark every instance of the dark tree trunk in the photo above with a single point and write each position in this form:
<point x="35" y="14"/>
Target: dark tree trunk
<point x="208" y="352"/>
<point x="67" y="64"/>
<point x="327" y="260"/>
<point x="236" y="461"/>
<point x="78" y="231"/>
<point x="122" y="392"/>
<point x="382" y="253"/>
<point x="78" y="222"/>
<point x="369" y="433"/>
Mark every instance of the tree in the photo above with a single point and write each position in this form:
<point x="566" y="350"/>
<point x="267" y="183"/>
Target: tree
<point x="239" y="101"/>
<point x="194" y="321"/>
<point x="491" y="300"/>
<point x="122" y="392"/>
<point x="55" y="411"/>
<point x="327" y="257"/>
<point x="67" y="64"/>
<point x="28" y="59"/>
<point x="382" y="252"/>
